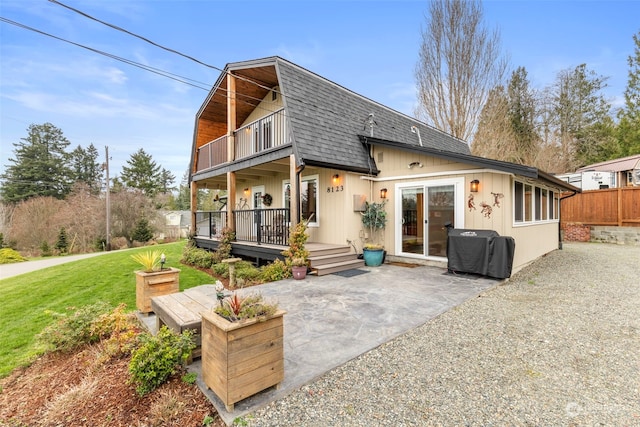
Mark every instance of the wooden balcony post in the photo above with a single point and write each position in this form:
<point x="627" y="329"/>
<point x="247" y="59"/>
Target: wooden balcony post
<point x="231" y="117"/>
<point x="231" y="143"/>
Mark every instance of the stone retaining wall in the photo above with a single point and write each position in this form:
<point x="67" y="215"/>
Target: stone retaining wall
<point x="620" y="235"/>
<point x="578" y="232"/>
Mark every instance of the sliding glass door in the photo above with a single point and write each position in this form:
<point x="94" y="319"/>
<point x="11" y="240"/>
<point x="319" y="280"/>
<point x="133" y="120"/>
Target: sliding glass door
<point x="424" y="210"/>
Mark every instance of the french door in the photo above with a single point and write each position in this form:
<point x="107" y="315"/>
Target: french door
<point x="424" y="210"/>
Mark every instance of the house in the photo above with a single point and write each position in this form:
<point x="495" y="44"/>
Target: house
<point x="624" y="171"/>
<point x="289" y="145"/>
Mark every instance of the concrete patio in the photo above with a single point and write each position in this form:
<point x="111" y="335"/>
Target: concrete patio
<point x="333" y="319"/>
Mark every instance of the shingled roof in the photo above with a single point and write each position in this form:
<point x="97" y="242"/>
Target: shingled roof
<point x="326" y="120"/>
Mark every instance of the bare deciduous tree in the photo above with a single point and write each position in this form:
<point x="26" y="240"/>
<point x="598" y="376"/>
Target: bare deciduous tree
<point x="460" y="63"/>
<point x="33" y="223"/>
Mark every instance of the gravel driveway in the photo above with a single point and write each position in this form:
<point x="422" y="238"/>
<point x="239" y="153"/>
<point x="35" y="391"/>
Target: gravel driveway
<point x="558" y="344"/>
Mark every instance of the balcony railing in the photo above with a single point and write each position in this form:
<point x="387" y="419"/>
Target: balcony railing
<point x="263" y="134"/>
<point x="252" y="225"/>
<point x="213" y="153"/>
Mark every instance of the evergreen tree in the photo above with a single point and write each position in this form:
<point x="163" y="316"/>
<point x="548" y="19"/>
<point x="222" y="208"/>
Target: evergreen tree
<point x="166" y="181"/>
<point x="143" y="231"/>
<point x="40" y="166"/>
<point x="522" y="116"/>
<point x="582" y="113"/>
<point x="62" y="244"/>
<point x="142" y="173"/>
<point x="628" y="131"/>
<point x="183" y="201"/>
<point x="494" y="138"/>
<point x="86" y="168"/>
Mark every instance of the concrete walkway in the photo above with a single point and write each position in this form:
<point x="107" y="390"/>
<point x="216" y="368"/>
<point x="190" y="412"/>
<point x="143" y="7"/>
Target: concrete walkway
<point x="333" y="319"/>
<point x="15" y="269"/>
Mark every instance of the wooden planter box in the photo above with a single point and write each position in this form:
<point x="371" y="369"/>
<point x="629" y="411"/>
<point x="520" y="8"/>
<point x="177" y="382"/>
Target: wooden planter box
<point x="239" y="359"/>
<point x="155" y="284"/>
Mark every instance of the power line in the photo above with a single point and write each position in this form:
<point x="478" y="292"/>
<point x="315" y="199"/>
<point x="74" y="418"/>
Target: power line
<point x="168" y="49"/>
<point x="173" y="76"/>
<point x="158" y="71"/>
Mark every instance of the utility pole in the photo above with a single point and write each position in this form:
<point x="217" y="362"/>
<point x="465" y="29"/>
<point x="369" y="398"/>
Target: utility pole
<point x="107" y="198"/>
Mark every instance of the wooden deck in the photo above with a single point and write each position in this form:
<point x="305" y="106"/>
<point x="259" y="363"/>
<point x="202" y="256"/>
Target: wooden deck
<point x="325" y="258"/>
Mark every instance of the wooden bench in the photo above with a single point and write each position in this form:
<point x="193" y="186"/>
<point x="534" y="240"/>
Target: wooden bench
<point x="181" y="311"/>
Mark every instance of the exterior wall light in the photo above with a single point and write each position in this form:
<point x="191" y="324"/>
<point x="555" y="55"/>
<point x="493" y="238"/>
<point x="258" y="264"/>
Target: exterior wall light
<point x="383" y="193"/>
<point x="336" y="179"/>
<point x="475" y="184"/>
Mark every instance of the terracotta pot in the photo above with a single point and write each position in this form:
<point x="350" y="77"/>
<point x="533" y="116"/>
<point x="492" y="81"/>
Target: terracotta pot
<point x="299" y="272"/>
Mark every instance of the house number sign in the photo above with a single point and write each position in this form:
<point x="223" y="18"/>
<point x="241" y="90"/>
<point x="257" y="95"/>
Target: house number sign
<point x="335" y="189"/>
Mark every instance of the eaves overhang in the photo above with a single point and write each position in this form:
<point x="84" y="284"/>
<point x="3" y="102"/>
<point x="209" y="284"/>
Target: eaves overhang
<point x="498" y="165"/>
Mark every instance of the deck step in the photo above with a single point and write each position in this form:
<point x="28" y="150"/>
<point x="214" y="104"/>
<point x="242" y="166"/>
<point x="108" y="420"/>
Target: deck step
<point x="328" y="250"/>
<point x="325" y="269"/>
<point x="331" y="258"/>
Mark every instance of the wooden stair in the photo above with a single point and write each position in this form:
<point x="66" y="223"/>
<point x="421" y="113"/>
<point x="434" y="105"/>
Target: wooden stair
<point x="328" y="259"/>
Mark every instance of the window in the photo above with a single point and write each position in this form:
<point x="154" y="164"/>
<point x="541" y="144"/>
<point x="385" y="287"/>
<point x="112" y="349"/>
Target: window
<point x="532" y="204"/>
<point x="308" y="198"/>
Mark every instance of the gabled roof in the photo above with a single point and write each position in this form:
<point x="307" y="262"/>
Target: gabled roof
<point x="331" y="126"/>
<point x="616" y="165"/>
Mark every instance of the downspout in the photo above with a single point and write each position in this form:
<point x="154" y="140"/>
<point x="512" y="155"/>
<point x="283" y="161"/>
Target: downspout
<point x="560" y="218"/>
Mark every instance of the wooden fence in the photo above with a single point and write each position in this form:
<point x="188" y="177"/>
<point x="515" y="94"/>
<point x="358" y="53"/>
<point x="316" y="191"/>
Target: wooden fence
<point x="613" y="206"/>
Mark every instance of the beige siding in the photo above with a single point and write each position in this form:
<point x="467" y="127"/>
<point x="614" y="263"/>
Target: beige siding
<point x="265" y="107"/>
<point x="337" y="222"/>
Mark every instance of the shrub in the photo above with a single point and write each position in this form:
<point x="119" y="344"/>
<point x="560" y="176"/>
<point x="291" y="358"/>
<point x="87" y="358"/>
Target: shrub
<point x="71" y="330"/>
<point x="197" y="257"/>
<point x="220" y="269"/>
<point x="8" y="256"/>
<point x="45" y="249"/>
<point x="275" y="271"/>
<point x="62" y="244"/>
<point x="224" y="246"/>
<point x="143" y="231"/>
<point x="158" y="357"/>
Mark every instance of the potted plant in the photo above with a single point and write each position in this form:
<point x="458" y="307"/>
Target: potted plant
<point x="154" y="279"/>
<point x="297" y="256"/>
<point x="374" y="218"/>
<point x="242" y="346"/>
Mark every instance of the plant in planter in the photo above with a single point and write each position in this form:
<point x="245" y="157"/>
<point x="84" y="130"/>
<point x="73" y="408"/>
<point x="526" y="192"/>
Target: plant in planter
<point x="297" y="256"/>
<point x="374" y="218"/>
<point x="242" y="347"/>
<point x="154" y="279"/>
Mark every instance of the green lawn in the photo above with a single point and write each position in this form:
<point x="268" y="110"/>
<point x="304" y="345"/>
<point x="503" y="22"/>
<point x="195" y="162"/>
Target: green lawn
<point x="25" y="299"/>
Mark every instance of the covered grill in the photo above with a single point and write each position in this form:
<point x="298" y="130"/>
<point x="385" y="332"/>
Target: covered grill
<point x="482" y="252"/>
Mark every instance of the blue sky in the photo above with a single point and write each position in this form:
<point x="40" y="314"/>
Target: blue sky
<point x="370" y="47"/>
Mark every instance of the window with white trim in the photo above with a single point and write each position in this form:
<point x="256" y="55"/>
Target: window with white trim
<point x="308" y="198"/>
<point x="534" y="204"/>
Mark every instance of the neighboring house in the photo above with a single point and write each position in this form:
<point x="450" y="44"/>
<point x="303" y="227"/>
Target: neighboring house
<point x="623" y="172"/>
<point x="289" y="144"/>
<point x="176" y="225"/>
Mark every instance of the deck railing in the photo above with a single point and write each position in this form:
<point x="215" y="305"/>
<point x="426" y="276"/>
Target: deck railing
<point x="263" y="225"/>
<point x="258" y="136"/>
<point x="252" y="225"/>
<point x="211" y="223"/>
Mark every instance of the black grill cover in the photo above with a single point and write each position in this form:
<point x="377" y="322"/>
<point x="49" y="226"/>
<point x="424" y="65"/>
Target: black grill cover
<point x="482" y="252"/>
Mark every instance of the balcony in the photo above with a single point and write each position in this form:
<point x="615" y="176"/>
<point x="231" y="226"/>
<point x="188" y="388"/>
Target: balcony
<point x="254" y="138"/>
